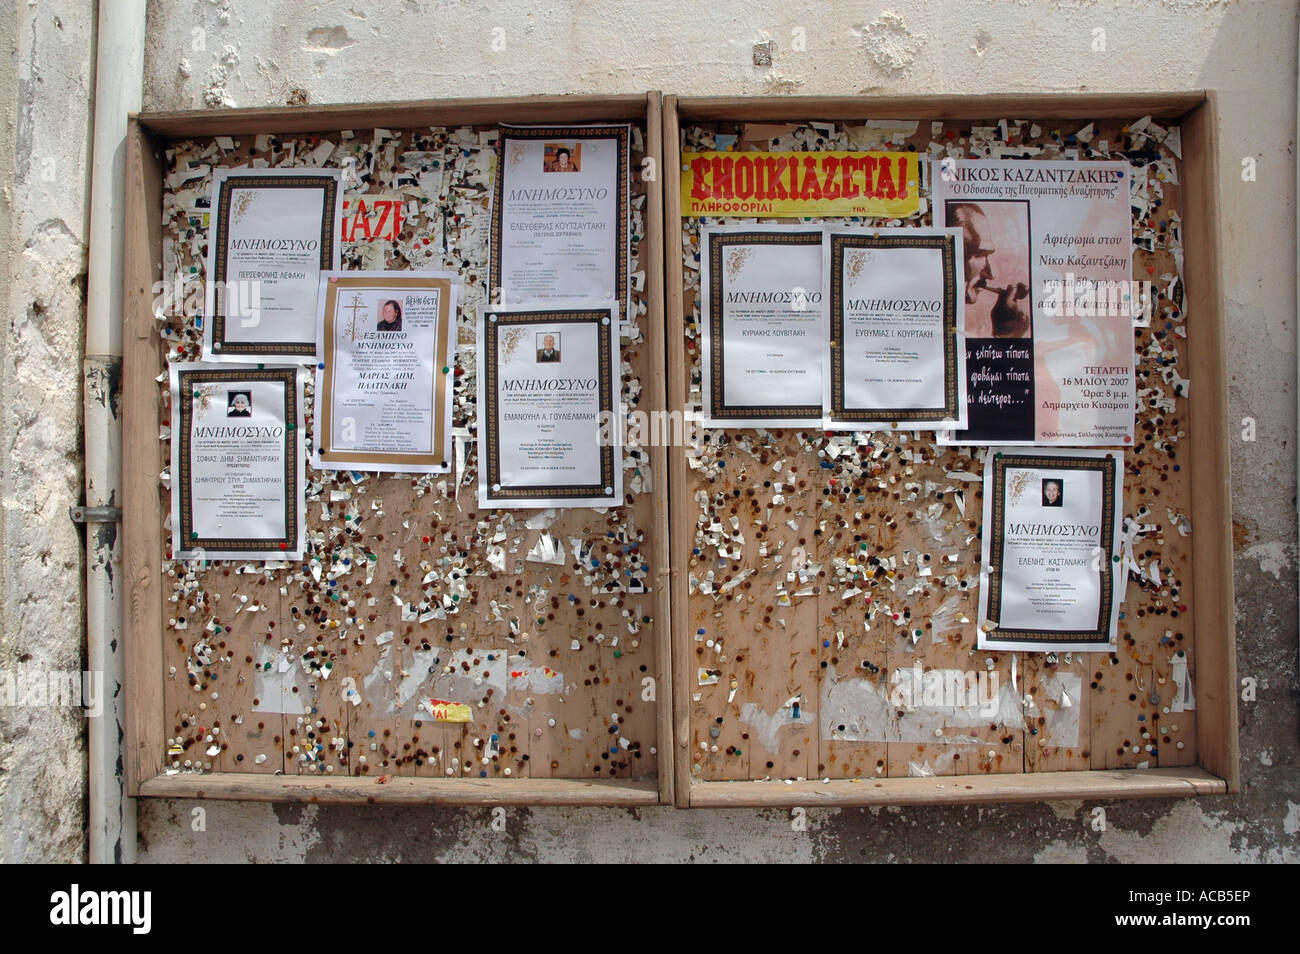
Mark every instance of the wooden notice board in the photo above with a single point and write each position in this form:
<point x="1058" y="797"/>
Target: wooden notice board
<point x="242" y="676"/>
<point x="782" y="676"/>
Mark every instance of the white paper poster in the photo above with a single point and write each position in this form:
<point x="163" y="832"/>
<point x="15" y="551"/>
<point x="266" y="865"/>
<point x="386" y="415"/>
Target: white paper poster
<point x="548" y="406"/>
<point x="763" y="324"/>
<point x="1050" y="299"/>
<point x="897" y="356"/>
<point x="384" y="381"/>
<point x="236" y="462"/>
<point x="560" y="215"/>
<point x="1050" y="575"/>
<point x="273" y="231"/>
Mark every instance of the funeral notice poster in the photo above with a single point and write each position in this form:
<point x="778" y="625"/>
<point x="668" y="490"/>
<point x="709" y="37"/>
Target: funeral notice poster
<point x="763" y="332"/>
<point x="1048" y="257"/>
<point x="897" y="356"/>
<point x="548" y="403"/>
<point x="1051" y="577"/>
<point x="384" y="381"/>
<point x="560" y="215"/>
<point x="272" y="233"/>
<point x="236" y="462"/>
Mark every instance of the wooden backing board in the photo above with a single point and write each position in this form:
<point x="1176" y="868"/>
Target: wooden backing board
<point x="1084" y="712"/>
<point x="1056" y="767"/>
<point x="548" y="717"/>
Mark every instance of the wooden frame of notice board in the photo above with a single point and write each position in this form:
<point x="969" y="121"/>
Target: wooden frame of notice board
<point x="709" y="735"/>
<point x="151" y="643"/>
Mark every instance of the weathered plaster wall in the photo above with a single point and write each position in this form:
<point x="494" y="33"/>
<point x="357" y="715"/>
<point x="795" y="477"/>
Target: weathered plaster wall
<point x="8" y="96"/>
<point x="240" y="52"/>
<point x="46" y="85"/>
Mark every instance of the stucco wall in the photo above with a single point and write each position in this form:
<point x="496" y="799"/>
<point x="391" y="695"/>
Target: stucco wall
<point x="46" y="87"/>
<point x="238" y="52"/>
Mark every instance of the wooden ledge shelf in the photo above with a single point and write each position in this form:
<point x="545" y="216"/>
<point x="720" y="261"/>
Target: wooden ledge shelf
<point x="960" y="789"/>
<point x="400" y="790"/>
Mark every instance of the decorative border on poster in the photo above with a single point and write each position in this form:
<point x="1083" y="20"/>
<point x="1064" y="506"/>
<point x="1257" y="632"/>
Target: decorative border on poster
<point x="1106" y="465"/>
<point x="620" y="133"/>
<point x="839" y="242"/>
<point x="491" y="349"/>
<point x="328" y="185"/>
<point x="187" y="380"/>
<point x="721" y="411"/>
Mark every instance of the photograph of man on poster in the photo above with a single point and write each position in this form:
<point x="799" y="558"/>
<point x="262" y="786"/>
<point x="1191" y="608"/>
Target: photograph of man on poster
<point x="549" y="349"/>
<point x="995" y="239"/>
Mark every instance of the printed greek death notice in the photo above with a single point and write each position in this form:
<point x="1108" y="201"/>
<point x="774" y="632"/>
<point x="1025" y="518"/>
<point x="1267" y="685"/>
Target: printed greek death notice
<point x="764" y="331"/>
<point x="237" y="462"/>
<point x="384" y="381"/>
<point x="560" y="215"/>
<point x="897" y="356"/>
<point x="548" y="397"/>
<point x="1050" y="579"/>
<point x="272" y="234"/>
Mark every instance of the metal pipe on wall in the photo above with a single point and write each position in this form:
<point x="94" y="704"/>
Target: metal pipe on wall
<point x="119" y="78"/>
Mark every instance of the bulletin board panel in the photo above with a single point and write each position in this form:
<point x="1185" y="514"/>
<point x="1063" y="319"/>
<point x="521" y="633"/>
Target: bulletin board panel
<point x="239" y="675"/>
<point x="890" y="523"/>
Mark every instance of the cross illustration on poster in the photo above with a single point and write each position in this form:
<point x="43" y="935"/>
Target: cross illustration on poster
<point x="354" y="308"/>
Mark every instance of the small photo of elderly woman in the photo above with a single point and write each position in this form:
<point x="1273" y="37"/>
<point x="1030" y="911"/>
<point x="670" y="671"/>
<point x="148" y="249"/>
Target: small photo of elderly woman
<point x="390" y="316"/>
<point x="1052" y="490"/>
<point x="239" y="404"/>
